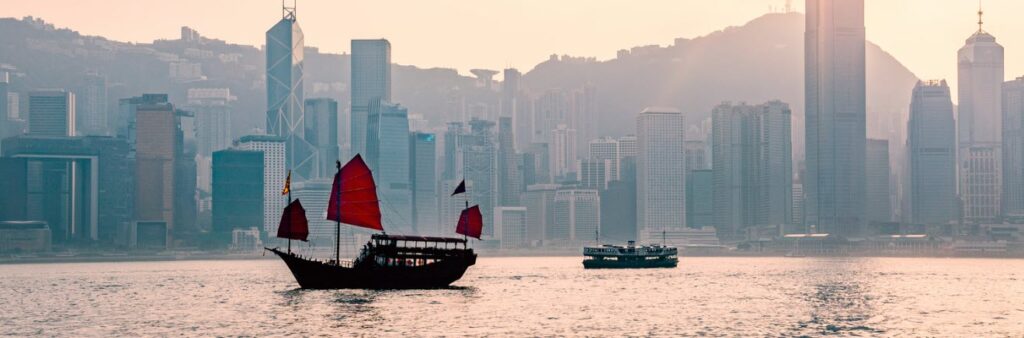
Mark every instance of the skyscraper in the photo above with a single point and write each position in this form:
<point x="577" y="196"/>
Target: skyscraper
<point x="212" y="108"/>
<point x="593" y="174"/>
<point x="1013" y="148"/>
<point x="510" y="180"/>
<point x="157" y="147"/>
<point x="700" y="198"/>
<point x="371" y="80"/>
<point x="237" y="190"/>
<point x="51" y="113"/>
<point x="274" y="174"/>
<point x="516" y="105"/>
<point x="834" y="80"/>
<point x="539" y="200"/>
<point x="877" y="171"/>
<point x="423" y="178"/>
<point x="931" y="147"/>
<point x="752" y="167"/>
<point x="576" y="215"/>
<point x="387" y="155"/>
<point x="285" y="98"/>
<point x="510" y="227"/>
<point x="979" y="87"/>
<point x="479" y="153"/>
<point x="322" y="133"/>
<point x="563" y="151"/>
<point x="607" y="148"/>
<point x="661" y="182"/>
<point x="91" y="105"/>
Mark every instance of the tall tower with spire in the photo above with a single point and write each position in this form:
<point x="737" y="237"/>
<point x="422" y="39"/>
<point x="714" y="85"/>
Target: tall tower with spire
<point x="979" y="125"/>
<point x="285" y="106"/>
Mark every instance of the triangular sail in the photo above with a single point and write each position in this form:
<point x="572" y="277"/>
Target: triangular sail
<point x="354" y="196"/>
<point x="471" y="222"/>
<point x="293" y="222"/>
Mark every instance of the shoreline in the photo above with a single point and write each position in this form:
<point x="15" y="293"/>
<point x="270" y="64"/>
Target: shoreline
<point x="485" y="254"/>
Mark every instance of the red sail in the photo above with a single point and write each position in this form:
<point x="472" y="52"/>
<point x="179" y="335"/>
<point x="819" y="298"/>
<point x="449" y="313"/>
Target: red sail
<point x="471" y="222"/>
<point x="293" y="222"/>
<point x="354" y="196"/>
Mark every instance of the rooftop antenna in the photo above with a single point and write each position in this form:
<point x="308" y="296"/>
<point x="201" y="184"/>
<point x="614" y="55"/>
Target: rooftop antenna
<point x="288" y="12"/>
<point x="980" y="13"/>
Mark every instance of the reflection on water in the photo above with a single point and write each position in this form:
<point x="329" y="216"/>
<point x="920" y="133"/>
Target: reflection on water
<point x="526" y="297"/>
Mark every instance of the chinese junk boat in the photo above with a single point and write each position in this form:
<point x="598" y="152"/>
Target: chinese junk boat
<point x="629" y="256"/>
<point x="387" y="261"/>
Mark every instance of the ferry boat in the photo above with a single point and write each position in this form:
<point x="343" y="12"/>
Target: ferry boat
<point x="630" y="256"/>
<point x="387" y="261"/>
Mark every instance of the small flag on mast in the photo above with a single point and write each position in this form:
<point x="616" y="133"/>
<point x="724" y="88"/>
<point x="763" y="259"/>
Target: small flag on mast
<point x="287" y="184"/>
<point x="460" y="189"/>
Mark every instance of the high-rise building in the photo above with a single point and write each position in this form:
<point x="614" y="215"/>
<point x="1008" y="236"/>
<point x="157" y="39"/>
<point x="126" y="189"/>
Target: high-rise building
<point x="322" y="134"/>
<point x="423" y="178"/>
<point x="371" y="80"/>
<point x="752" y="167"/>
<point x="593" y="174"/>
<point x="81" y="186"/>
<point x="237" y="190"/>
<point x="577" y="215"/>
<point x="452" y="164"/>
<point x="314" y="195"/>
<point x="618" y="210"/>
<point x="479" y="153"/>
<point x="515" y="104"/>
<point x="550" y="109"/>
<point x="584" y="113"/>
<point x="5" y="104"/>
<point x="387" y="155"/>
<point x="607" y="148"/>
<point x="510" y="227"/>
<point x="536" y="164"/>
<point x="563" y="151"/>
<point x="931" y="147"/>
<point x="157" y="149"/>
<point x="979" y="87"/>
<point x="212" y="108"/>
<point x="510" y="180"/>
<point x="274" y="174"/>
<point x="539" y="200"/>
<point x="834" y="83"/>
<point x="285" y="98"/>
<point x="627" y="146"/>
<point x="700" y="198"/>
<point x="51" y="113"/>
<point x="877" y="171"/>
<point x="696" y="155"/>
<point x="91" y="105"/>
<point x="1013" y="148"/>
<point x="660" y="182"/>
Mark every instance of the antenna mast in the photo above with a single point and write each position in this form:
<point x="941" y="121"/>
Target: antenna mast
<point x="980" y="13"/>
<point x="288" y="12"/>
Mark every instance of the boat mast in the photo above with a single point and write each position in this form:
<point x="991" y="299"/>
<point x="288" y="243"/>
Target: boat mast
<point x="288" y="186"/>
<point x="337" y="225"/>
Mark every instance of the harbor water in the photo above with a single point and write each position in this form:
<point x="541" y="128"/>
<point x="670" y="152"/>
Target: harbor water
<point x="527" y="296"/>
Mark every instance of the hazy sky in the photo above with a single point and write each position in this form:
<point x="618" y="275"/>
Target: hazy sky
<point x="465" y="34"/>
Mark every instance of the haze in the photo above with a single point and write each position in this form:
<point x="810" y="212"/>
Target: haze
<point x="923" y="34"/>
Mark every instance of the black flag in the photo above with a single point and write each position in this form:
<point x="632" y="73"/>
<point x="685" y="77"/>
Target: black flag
<point x="460" y="189"/>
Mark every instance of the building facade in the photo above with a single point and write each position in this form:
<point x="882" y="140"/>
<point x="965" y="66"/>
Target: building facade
<point x="835" y="111"/>
<point x="660" y="178"/>
<point x="371" y="80"/>
<point x="979" y="127"/>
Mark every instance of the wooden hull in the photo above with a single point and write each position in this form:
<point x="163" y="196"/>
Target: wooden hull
<point x="630" y="264"/>
<point x="368" y="275"/>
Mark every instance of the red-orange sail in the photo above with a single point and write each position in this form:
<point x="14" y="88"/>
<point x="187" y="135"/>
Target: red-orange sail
<point x="293" y="222"/>
<point x="354" y="196"/>
<point x="471" y="222"/>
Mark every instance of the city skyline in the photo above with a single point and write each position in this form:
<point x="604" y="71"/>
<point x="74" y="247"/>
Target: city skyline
<point x="898" y="27"/>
